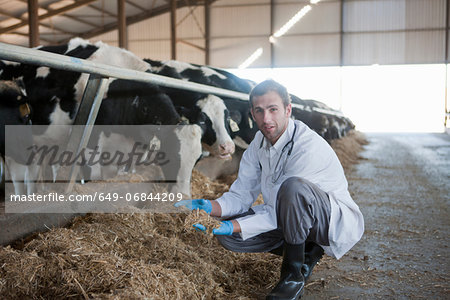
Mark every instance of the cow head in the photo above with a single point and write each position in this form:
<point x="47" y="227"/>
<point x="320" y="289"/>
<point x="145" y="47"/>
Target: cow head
<point x="13" y="98"/>
<point x="216" y="137"/>
<point x="153" y="108"/>
<point x="14" y="110"/>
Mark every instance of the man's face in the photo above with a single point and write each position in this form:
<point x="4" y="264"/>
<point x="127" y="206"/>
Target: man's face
<point x="270" y="115"/>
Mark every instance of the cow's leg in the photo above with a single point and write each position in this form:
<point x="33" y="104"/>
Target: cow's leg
<point x="189" y="137"/>
<point x="2" y="179"/>
<point x="17" y="174"/>
<point x="31" y="178"/>
<point x="109" y="145"/>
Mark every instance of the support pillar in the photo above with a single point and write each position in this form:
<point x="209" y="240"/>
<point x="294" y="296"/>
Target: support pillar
<point x="207" y="31"/>
<point x="122" y="22"/>
<point x="33" y="23"/>
<point x="173" y="28"/>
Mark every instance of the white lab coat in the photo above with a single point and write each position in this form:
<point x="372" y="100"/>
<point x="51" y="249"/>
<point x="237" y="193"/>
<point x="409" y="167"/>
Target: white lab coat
<point x="312" y="159"/>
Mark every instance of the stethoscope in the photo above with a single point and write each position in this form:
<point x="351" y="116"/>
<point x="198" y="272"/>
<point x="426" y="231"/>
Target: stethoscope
<point x="278" y="172"/>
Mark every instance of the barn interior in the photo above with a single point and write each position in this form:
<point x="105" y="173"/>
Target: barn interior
<point x="379" y="65"/>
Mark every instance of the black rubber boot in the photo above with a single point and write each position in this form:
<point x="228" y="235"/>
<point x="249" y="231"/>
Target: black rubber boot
<point x="313" y="254"/>
<point x="291" y="281"/>
<point x="277" y="251"/>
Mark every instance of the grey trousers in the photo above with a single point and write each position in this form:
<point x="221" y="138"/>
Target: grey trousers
<point x="303" y="214"/>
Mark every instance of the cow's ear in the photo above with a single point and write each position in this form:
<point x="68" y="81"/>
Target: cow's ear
<point x="135" y="102"/>
<point x="21" y="86"/>
<point x="236" y="116"/>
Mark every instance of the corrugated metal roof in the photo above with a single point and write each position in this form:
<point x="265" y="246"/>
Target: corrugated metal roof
<point x="61" y="20"/>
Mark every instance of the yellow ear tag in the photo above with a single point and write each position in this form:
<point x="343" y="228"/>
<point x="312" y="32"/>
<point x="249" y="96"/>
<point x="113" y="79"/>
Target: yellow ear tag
<point x="234" y="126"/>
<point x="24" y="110"/>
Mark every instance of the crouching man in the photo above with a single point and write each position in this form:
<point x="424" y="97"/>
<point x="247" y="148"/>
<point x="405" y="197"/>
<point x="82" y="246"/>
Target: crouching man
<point x="307" y="207"/>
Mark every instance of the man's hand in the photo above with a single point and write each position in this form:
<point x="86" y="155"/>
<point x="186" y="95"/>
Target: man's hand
<point x="226" y="228"/>
<point x="196" y="203"/>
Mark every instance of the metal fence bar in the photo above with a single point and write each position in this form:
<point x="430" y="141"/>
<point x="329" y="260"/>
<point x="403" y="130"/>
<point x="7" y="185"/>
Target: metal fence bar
<point x="87" y="113"/>
<point x="57" y="61"/>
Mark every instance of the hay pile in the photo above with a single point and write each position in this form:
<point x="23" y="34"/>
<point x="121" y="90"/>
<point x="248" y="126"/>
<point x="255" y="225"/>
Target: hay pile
<point x="112" y="256"/>
<point x="203" y="187"/>
<point x="199" y="216"/>
<point x="348" y="148"/>
<point x="136" y="256"/>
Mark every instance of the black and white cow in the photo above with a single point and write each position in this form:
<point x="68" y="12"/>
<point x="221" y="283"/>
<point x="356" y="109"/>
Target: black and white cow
<point x="327" y="122"/>
<point x="136" y="103"/>
<point x="55" y="94"/>
<point x="240" y="125"/>
<point x="208" y="111"/>
<point x="242" y="128"/>
<point x="52" y="94"/>
<point x="14" y="110"/>
<point x="305" y="112"/>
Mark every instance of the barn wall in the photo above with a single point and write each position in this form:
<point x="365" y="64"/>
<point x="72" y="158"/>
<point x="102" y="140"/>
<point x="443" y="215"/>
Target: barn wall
<point x="357" y="32"/>
<point x="394" y="32"/>
<point x="332" y="33"/>
<point x="151" y="38"/>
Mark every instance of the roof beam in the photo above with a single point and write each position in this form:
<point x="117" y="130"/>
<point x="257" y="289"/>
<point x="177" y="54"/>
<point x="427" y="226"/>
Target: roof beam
<point x="79" y="20"/>
<point x="33" y="23"/>
<point x="133" y="19"/>
<point x="2" y="12"/>
<point x="103" y="11"/>
<point x="122" y="20"/>
<point x="47" y="15"/>
<point x="191" y="44"/>
<point x="207" y="31"/>
<point x="135" y="5"/>
<point x="52" y="27"/>
<point x="130" y="20"/>
<point x="27" y="36"/>
<point x="75" y="18"/>
<point x="173" y="28"/>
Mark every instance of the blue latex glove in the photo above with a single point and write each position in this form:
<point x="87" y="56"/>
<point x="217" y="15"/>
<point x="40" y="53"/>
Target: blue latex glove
<point x="226" y="228"/>
<point x="199" y="227"/>
<point x="196" y="203"/>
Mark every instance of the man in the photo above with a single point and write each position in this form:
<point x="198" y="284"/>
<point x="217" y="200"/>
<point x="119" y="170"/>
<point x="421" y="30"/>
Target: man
<point x="307" y="208"/>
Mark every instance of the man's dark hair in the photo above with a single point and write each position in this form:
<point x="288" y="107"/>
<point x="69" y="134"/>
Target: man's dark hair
<point x="267" y="86"/>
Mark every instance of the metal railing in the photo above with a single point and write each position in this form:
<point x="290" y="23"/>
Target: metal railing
<point x="90" y="103"/>
<point x="95" y="88"/>
<point x="57" y="61"/>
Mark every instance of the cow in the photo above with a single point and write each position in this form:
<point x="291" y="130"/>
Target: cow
<point x="207" y="111"/>
<point x="241" y="126"/>
<point x="55" y="95"/>
<point x="14" y="110"/>
<point x="52" y="94"/>
<point x="136" y="103"/>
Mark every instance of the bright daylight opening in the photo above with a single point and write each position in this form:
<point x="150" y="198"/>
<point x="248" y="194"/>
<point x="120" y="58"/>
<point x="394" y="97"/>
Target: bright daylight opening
<point x="393" y="98"/>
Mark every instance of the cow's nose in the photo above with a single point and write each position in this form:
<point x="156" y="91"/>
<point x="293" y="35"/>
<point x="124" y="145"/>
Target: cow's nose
<point x="227" y="148"/>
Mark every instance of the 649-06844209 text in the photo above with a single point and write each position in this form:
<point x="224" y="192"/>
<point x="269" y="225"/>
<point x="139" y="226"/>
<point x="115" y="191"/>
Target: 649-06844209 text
<point x="98" y="196"/>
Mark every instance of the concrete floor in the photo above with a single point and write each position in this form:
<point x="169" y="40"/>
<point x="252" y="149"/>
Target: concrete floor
<point x="403" y="189"/>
